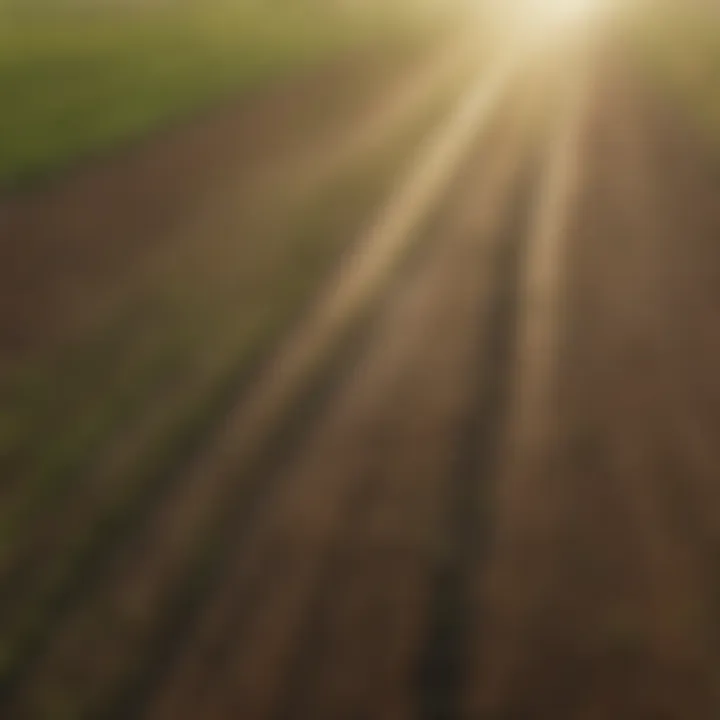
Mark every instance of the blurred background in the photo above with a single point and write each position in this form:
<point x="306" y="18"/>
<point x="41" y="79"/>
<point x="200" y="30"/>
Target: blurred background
<point x="359" y="359"/>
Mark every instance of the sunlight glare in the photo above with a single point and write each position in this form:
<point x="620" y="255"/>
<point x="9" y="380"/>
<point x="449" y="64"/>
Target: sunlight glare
<point x="553" y="16"/>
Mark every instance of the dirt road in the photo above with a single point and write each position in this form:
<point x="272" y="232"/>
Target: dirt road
<point x="476" y="479"/>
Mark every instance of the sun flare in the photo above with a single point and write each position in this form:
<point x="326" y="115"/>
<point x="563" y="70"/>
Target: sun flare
<point x="551" y="16"/>
<point x="558" y="12"/>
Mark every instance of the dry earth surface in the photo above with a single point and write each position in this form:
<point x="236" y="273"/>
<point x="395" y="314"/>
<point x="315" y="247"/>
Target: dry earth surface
<point x="475" y="477"/>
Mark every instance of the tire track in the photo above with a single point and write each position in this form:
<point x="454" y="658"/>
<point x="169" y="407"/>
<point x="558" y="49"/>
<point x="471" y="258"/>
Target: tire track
<point x="356" y="649"/>
<point x="445" y="658"/>
<point x="524" y="437"/>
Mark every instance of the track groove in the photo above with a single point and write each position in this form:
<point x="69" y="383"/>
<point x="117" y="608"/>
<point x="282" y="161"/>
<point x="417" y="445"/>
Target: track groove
<point x="443" y="665"/>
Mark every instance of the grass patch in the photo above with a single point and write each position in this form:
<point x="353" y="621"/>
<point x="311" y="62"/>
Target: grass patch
<point x="75" y="81"/>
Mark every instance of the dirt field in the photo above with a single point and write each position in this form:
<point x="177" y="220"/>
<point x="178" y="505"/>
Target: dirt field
<point x="475" y="477"/>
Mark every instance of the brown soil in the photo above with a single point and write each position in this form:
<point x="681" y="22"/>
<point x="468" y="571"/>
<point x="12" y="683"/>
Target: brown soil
<point x="494" y="496"/>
